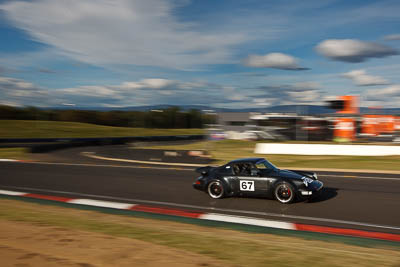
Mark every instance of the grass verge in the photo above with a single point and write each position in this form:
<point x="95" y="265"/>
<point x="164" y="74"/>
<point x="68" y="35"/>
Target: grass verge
<point x="226" y="150"/>
<point x="56" y="129"/>
<point x="232" y="247"/>
<point x="14" y="153"/>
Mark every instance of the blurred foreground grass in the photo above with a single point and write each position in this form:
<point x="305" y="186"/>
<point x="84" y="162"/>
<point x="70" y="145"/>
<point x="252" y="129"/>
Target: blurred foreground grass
<point x="57" y="129"/>
<point x="14" y="153"/>
<point x="228" y="247"/>
<point x="226" y="150"/>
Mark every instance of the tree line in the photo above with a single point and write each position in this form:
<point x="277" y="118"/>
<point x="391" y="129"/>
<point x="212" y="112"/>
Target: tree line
<point x="172" y="117"/>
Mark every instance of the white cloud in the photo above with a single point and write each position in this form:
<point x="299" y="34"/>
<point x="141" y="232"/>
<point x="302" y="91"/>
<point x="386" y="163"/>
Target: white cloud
<point x="273" y="60"/>
<point x="380" y="94"/>
<point x="15" y="84"/>
<point x="121" y="32"/>
<point x="307" y="96"/>
<point x="10" y="103"/>
<point x="142" y="92"/>
<point x="353" y="51"/>
<point x="135" y="93"/>
<point x="298" y="93"/>
<point x="360" y="78"/>
<point x="392" y="37"/>
<point x="149" y="84"/>
<point x="385" y="97"/>
<point x="304" y="93"/>
<point x="236" y="97"/>
<point x="157" y="83"/>
<point x="307" y="86"/>
<point x="20" y="92"/>
<point x="156" y="91"/>
<point x="263" y="101"/>
<point x="92" y="91"/>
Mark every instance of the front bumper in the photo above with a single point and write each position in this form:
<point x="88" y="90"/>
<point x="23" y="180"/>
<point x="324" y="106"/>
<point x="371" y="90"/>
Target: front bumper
<point x="312" y="189"/>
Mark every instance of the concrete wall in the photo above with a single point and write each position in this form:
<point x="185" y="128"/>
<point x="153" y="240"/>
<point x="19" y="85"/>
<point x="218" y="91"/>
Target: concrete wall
<point x="320" y="149"/>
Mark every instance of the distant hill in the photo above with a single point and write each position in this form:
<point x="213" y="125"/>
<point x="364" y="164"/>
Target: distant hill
<point x="299" y="109"/>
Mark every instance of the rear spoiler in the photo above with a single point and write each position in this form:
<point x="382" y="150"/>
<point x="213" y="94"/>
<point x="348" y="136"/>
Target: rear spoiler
<point x="204" y="170"/>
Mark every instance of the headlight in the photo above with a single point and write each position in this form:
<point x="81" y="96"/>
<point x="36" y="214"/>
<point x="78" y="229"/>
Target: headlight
<point x="307" y="181"/>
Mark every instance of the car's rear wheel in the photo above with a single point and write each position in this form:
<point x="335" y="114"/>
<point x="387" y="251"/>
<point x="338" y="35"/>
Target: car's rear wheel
<point x="284" y="193"/>
<point x="215" y="189"/>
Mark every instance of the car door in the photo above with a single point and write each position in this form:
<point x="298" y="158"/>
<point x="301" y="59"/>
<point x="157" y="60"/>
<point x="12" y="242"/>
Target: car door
<point x="250" y="182"/>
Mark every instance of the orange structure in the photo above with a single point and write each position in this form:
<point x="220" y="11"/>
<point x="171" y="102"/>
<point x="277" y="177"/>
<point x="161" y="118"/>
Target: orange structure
<point x="374" y="125"/>
<point x="386" y="124"/>
<point x="397" y="123"/>
<point x="369" y="125"/>
<point x="344" y="129"/>
<point x="350" y="104"/>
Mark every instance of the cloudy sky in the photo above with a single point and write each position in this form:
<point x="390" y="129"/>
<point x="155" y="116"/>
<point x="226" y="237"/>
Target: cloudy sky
<point x="225" y="53"/>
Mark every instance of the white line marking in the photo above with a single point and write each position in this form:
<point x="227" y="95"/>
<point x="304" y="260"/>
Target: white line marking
<point x="12" y="193"/>
<point x="246" y="220"/>
<point x="8" y="160"/>
<point x="90" y="155"/>
<point x="101" y="203"/>
<point x="361" y="177"/>
<point x="214" y="209"/>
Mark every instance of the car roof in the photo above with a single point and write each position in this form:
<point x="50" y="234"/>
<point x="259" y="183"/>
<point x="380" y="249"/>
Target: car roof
<point x="252" y="160"/>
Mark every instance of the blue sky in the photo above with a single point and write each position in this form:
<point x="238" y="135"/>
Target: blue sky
<point x="114" y="53"/>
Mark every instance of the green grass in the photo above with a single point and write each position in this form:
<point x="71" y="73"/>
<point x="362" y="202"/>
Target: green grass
<point x="222" y="151"/>
<point x="56" y="129"/>
<point x="233" y="247"/>
<point x="14" y="153"/>
<point x="226" y="150"/>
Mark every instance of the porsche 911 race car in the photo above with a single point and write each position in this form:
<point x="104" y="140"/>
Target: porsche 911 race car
<point x="257" y="177"/>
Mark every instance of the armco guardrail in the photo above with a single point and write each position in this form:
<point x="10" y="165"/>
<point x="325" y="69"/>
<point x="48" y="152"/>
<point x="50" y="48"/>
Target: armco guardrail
<point x="320" y="149"/>
<point x="48" y="144"/>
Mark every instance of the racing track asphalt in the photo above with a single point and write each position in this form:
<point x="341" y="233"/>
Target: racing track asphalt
<point x="350" y="200"/>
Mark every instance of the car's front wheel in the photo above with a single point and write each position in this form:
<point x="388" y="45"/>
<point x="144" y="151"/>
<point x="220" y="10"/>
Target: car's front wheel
<point x="215" y="189"/>
<point x="284" y="193"/>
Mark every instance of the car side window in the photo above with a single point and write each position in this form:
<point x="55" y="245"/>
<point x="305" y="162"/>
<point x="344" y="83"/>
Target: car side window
<point x="255" y="171"/>
<point x="243" y="169"/>
<point x="246" y="169"/>
<point x="261" y="166"/>
<point x="226" y="170"/>
<point x="236" y="169"/>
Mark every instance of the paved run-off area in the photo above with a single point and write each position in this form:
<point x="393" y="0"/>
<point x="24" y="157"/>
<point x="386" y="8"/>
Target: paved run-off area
<point x="357" y="201"/>
<point x="372" y="198"/>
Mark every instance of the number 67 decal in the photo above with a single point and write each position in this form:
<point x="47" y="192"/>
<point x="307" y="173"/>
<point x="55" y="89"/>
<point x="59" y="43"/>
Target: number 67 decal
<point x="246" y="185"/>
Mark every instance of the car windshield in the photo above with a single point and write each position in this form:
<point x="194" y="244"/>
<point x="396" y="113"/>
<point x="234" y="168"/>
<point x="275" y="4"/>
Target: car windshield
<point x="265" y="164"/>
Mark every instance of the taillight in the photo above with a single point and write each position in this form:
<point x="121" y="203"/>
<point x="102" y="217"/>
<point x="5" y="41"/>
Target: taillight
<point x="198" y="182"/>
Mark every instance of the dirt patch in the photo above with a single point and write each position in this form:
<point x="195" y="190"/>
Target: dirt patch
<point x="22" y="244"/>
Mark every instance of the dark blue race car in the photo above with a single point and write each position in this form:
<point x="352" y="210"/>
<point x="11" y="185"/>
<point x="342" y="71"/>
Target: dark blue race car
<point x="257" y="177"/>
